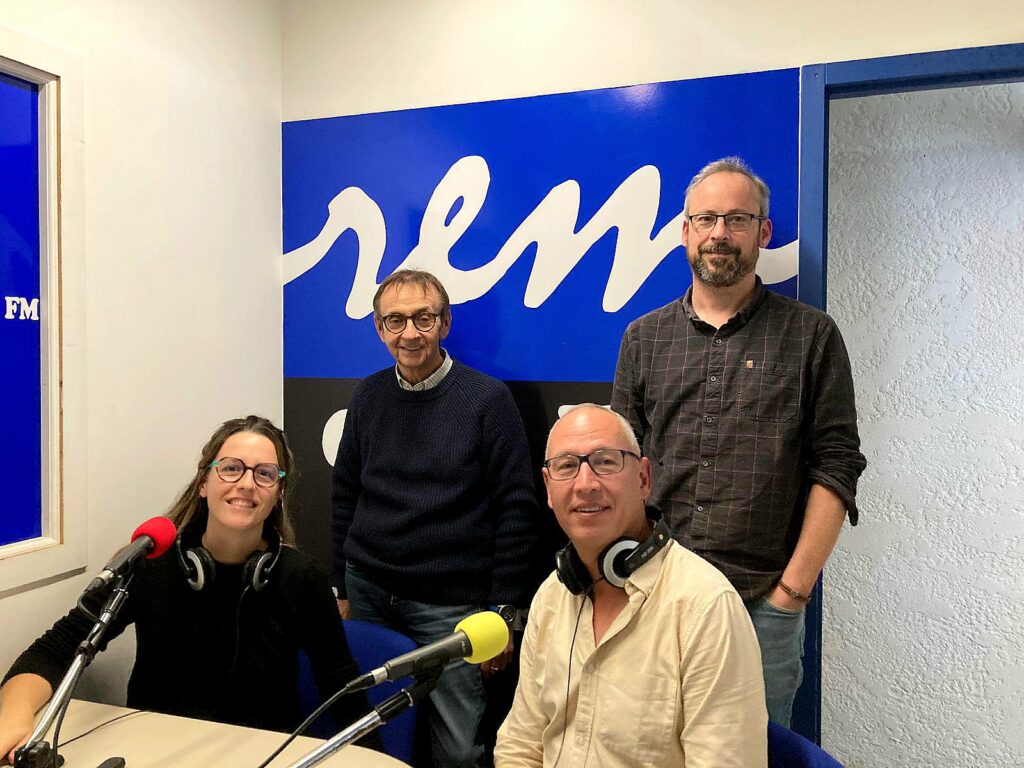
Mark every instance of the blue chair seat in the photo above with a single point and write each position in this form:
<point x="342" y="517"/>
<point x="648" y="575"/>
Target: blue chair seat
<point x="787" y="749"/>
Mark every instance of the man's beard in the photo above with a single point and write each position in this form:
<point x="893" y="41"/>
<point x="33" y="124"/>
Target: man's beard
<point x="728" y="271"/>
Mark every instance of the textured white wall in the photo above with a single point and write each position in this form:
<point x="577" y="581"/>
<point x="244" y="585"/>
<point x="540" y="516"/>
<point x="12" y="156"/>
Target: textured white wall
<point x="924" y="619"/>
<point x="182" y="110"/>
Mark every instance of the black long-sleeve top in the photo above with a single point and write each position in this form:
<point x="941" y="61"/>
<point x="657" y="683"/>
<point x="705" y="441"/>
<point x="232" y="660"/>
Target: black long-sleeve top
<point x="226" y="653"/>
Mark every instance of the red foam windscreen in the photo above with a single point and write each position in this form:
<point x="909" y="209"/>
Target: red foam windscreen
<point x="161" y="531"/>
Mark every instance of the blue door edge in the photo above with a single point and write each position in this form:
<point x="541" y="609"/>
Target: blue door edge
<point x="820" y="83"/>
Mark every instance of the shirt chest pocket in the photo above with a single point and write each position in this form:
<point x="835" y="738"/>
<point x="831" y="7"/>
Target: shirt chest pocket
<point x="769" y="391"/>
<point x="638" y="717"/>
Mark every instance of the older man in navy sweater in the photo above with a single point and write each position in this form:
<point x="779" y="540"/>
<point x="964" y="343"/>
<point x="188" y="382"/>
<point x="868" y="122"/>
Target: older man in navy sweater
<point x="432" y="500"/>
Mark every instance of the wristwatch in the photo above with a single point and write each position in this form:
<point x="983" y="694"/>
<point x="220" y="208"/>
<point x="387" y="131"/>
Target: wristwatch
<point x="514" y="617"/>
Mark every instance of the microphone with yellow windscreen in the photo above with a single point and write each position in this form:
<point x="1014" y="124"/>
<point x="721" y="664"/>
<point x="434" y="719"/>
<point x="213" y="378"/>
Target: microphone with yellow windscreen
<point x="476" y="639"/>
<point x="487" y="633"/>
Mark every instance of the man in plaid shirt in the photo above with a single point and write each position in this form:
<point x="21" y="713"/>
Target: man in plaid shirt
<point x="743" y="401"/>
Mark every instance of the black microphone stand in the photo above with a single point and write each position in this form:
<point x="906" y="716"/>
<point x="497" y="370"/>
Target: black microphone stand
<point x="37" y="753"/>
<point x="387" y="710"/>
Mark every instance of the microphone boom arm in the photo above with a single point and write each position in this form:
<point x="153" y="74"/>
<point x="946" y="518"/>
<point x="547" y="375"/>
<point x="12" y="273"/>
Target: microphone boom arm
<point x="37" y="753"/>
<point x="382" y="713"/>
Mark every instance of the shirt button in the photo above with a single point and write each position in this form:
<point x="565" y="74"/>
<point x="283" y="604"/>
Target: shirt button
<point x="705" y="463"/>
<point x="709" y="419"/>
<point x="718" y="341"/>
<point x="714" y="378"/>
<point x="700" y="508"/>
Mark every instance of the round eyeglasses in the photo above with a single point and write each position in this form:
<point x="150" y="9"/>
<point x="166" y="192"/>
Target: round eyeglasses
<point x="606" y="461"/>
<point x="421" y="321"/>
<point x="230" y="470"/>
<point x="734" y="222"/>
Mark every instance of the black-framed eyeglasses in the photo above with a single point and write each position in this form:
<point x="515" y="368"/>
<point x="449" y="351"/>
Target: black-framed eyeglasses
<point x="734" y="222"/>
<point x="605" y="461"/>
<point x="422" y="321"/>
<point x="230" y="470"/>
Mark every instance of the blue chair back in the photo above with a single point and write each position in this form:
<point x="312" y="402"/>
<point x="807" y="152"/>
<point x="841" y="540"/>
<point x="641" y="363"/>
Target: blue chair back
<point x="371" y="645"/>
<point x="787" y="749"/>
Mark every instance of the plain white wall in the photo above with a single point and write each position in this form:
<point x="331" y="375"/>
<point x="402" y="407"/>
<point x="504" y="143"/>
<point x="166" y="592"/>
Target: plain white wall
<point x="182" y="248"/>
<point x="924" y="611"/>
<point x="345" y="57"/>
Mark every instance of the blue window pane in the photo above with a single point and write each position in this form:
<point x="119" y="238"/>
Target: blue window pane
<point x="20" y="407"/>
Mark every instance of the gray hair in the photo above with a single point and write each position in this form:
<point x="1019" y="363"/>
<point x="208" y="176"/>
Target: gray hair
<point x="730" y="165"/>
<point x="627" y="430"/>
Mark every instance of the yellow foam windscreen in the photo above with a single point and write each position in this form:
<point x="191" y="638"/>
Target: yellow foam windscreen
<point x="487" y="633"/>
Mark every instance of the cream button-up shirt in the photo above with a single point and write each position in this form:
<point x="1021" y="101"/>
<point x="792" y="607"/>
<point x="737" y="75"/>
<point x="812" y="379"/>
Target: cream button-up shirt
<point x="675" y="681"/>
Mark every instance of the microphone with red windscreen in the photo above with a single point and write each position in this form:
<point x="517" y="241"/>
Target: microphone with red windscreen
<point x="150" y="540"/>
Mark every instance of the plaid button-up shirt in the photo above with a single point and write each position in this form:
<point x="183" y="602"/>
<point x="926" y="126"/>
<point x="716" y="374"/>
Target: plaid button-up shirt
<point x="739" y="422"/>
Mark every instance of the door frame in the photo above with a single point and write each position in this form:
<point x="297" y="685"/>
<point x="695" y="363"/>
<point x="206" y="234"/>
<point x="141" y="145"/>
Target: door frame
<point x="819" y="85"/>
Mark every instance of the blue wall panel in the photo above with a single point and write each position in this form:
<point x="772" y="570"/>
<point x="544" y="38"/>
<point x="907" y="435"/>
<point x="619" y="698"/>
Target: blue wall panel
<point x="593" y="140"/>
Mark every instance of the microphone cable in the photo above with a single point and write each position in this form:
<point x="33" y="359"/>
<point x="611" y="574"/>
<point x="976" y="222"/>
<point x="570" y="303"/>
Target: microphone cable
<point x="568" y="678"/>
<point x="84" y="609"/>
<point x="222" y="701"/>
<point x="238" y="634"/>
<point x="80" y="604"/>
<point x="306" y="723"/>
<point x="102" y="725"/>
<point x="478" y="628"/>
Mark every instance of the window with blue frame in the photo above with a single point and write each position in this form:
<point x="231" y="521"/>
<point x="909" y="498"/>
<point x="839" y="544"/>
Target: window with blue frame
<point x="20" y="337"/>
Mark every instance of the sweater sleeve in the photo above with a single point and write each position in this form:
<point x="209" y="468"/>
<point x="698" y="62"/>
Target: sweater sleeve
<point x="512" y="499"/>
<point x="51" y="654"/>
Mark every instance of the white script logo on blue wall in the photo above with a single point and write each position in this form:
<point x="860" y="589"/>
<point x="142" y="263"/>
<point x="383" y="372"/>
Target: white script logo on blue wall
<point x="552" y="221"/>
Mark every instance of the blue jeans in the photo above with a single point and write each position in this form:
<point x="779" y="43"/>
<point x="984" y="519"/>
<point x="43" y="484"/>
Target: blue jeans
<point x="780" y="633"/>
<point x="458" y="701"/>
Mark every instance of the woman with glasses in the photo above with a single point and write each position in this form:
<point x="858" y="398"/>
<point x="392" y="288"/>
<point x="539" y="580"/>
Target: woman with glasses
<point x="220" y="619"/>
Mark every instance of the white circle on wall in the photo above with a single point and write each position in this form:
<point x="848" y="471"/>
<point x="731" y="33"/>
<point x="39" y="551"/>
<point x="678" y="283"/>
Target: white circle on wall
<point x="564" y="409"/>
<point x="332" y="435"/>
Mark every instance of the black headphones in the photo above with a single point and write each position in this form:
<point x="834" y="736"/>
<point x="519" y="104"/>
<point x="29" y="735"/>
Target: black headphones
<point x="200" y="568"/>
<point x="615" y="563"/>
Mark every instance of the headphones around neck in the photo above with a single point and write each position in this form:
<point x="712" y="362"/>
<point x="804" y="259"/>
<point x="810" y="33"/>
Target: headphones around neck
<point x="200" y="568"/>
<point x="616" y="563"/>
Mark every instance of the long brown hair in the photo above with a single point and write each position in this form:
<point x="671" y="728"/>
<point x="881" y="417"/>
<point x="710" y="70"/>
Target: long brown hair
<point x="191" y="508"/>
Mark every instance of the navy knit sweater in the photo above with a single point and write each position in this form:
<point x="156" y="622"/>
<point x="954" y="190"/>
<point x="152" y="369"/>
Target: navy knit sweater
<point x="432" y="496"/>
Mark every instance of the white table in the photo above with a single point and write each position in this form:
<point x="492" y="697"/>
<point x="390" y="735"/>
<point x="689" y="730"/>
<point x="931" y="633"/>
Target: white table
<point x="153" y="740"/>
